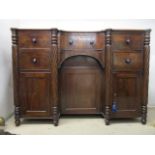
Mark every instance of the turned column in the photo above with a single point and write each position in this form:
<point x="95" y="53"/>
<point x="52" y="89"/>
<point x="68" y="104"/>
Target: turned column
<point x="108" y="82"/>
<point x="54" y="75"/>
<point x="146" y="76"/>
<point x="15" y="75"/>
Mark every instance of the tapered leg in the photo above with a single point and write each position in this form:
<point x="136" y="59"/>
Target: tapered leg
<point x="107" y="115"/>
<point x="55" y="116"/>
<point x="17" y="116"/>
<point x="144" y="114"/>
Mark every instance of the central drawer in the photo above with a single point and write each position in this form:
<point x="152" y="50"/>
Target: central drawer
<point x="125" y="61"/>
<point x="34" y="59"/>
<point x="82" y="40"/>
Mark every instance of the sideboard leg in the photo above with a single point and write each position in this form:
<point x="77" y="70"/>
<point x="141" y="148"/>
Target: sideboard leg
<point x="107" y="115"/>
<point x="144" y="114"/>
<point x="55" y="116"/>
<point x="17" y="116"/>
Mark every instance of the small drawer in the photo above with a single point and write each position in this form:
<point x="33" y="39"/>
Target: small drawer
<point x="34" y="38"/>
<point x="124" y="61"/>
<point x="35" y="59"/>
<point x="128" y="40"/>
<point x="82" y="40"/>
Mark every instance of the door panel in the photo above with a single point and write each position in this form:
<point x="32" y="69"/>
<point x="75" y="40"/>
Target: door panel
<point x="35" y="94"/>
<point x="126" y="94"/>
<point x="81" y="81"/>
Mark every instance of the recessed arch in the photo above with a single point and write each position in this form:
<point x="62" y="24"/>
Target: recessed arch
<point x="81" y="80"/>
<point x="65" y="58"/>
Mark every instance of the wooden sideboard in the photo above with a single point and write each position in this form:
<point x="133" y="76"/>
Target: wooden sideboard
<point x="66" y="73"/>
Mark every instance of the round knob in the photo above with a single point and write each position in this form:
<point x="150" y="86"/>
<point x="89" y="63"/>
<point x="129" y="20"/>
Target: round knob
<point x="34" y="40"/>
<point x="127" y="60"/>
<point x="71" y="42"/>
<point x="127" y="41"/>
<point x="92" y="43"/>
<point x="34" y="60"/>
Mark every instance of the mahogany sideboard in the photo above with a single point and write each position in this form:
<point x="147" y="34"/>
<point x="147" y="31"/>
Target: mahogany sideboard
<point x="77" y="73"/>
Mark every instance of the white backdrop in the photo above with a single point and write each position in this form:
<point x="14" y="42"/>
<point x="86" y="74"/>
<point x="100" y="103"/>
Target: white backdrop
<point x="6" y="98"/>
<point x="6" y="91"/>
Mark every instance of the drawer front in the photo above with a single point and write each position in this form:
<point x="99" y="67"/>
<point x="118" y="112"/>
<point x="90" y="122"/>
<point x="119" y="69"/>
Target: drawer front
<point x="128" y="41"/>
<point x="34" y="38"/>
<point x="127" y="61"/>
<point x="34" y="59"/>
<point x="71" y="40"/>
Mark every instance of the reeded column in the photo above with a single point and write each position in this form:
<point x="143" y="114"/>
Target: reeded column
<point x="108" y="77"/>
<point x="15" y="75"/>
<point x="54" y="76"/>
<point x="146" y="75"/>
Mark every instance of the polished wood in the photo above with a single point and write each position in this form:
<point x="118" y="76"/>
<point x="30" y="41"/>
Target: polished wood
<point x="34" y="59"/>
<point x="145" y="75"/>
<point x="54" y="71"/>
<point x="82" y="40"/>
<point x="108" y="77"/>
<point x="127" y="94"/>
<point x="65" y="73"/>
<point x="131" y="40"/>
<point x="34" y="94"/>
<point x="34" y="39"/>
<point x="15" y="76"/>
<point x="128" y="61"/>
<point x="81" y="86"/>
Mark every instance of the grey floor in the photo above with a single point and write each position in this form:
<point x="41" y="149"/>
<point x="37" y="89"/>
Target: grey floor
<point x="84" y="126"/>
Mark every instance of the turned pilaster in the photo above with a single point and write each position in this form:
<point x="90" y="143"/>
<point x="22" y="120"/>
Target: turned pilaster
<point x="108" y="76"/>
<point x="15" y="75"/>
<point x="146" y="75"/>
<point x="54" y="72"/>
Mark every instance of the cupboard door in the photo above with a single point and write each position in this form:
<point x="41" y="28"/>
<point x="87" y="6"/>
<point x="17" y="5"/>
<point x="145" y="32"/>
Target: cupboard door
<point x="126" y="94"/>
<point x="35" y="94"/>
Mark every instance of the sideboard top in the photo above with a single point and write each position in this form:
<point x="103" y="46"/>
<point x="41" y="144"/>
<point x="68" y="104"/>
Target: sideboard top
<point x="81" y="31"/>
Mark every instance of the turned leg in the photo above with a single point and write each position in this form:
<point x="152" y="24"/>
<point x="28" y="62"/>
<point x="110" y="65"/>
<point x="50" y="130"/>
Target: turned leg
<point x="17" y="116"/>
<point x="55" y="116"/>
<point x="107" y="115"/>
<point x="144" y="114"/>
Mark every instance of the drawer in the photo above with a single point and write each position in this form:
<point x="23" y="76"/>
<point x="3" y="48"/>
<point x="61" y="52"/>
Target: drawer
<point x="127" y="61"/>
<point x="127" y="41"/>
<point x="34" y="59"/>
<point x="34" y="38"/>
<point x="79" y="40"/>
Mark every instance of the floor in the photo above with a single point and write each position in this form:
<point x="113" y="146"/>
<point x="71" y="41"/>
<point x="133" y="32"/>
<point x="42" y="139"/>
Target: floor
<point x="93" y="125"/>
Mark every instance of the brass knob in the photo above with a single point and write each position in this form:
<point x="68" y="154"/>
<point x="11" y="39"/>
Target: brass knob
<point x="34" y="60"/>
<point x="128" y="41"/>
<point x="127" y="60"/>
<point x="34" y="40"/>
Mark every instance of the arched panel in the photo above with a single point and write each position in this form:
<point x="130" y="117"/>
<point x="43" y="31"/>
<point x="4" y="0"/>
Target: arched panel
<point x="86" y="57"/>
<point x="81" y="85"/>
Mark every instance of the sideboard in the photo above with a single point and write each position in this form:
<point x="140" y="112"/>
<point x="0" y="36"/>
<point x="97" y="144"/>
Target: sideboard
<point x="60" y="73"/>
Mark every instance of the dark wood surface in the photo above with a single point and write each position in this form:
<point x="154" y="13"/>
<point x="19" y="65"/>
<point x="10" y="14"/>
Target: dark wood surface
<point x="127" y="94"/>
<point x="64" y="73"/>
<point x="124" y="40"/>
<point x="34" y="59"/>
<point x="81" y="86"/>
<point x="127" y="61"/>
<point x="34" y="39"/>
<point x="34" y="94"/>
